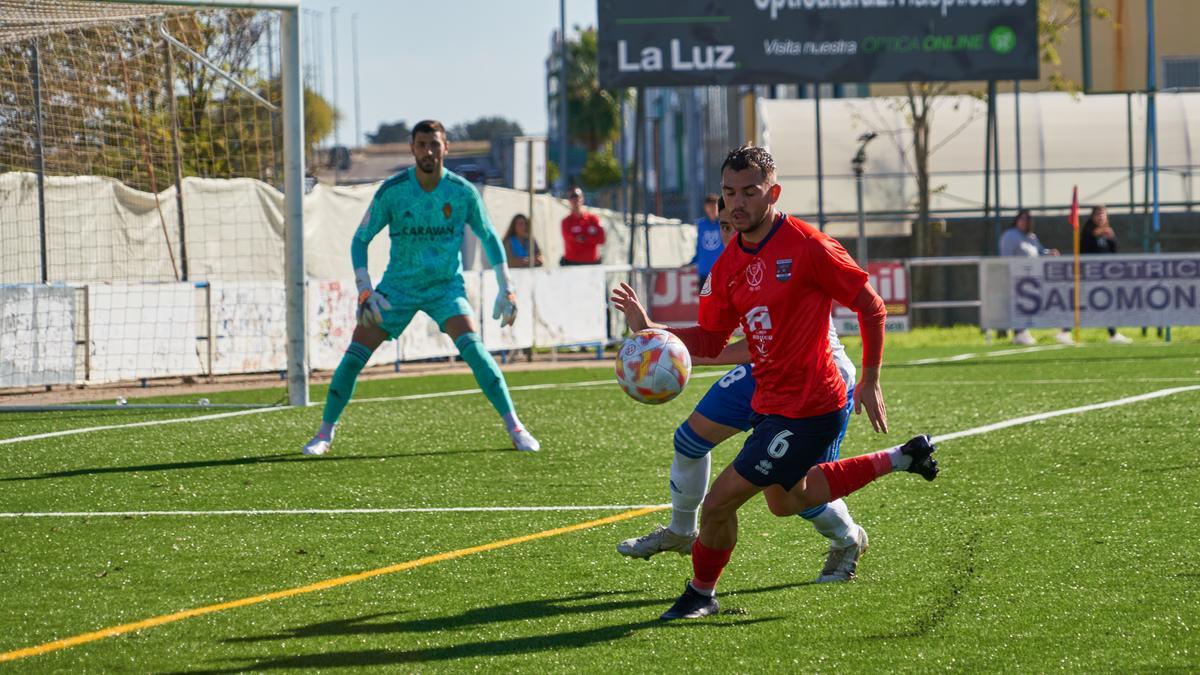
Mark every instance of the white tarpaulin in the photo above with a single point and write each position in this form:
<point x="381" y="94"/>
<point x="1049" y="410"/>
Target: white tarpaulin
<point x="98" y="230"/>
<point x="141" y="331"/>
<point x="249" y="327"/>
<point x="37" y="335"/>
<point x="123" y="247"/>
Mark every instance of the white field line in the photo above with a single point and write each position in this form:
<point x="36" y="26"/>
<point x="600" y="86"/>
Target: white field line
<point x="323" y="512"/>
<point x="442" y="394"/>
<point x="975" y="383"/>
<point x="259" y="411"/>
<point x="1016" y="421"/>
<point x="975" y="355"/>
<point x="975" y="431"/>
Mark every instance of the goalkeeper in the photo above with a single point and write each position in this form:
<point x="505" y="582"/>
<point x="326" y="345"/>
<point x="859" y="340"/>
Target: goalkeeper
<point x="425" y="209"/>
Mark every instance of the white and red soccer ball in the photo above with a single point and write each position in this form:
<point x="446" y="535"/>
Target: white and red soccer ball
<point x="653" y="366"/>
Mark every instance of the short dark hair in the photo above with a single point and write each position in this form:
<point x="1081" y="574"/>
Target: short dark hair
<point x="750" y="156"/>
<point x="711" y="199"/>
<point x="428" y="127"/>
<point x="720" y="204"/>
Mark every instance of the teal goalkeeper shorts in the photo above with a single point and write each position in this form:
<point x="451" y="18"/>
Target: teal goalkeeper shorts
<point x="451" y="301"/>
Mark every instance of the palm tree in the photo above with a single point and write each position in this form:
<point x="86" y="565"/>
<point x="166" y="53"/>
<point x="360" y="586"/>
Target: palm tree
<point x="593" y="114"/>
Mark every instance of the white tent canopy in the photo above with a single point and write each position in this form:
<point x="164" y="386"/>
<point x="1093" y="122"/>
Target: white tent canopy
<point x="1065" y="140"/>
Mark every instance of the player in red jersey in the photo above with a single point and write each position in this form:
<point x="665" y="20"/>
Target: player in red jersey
<point x="778" y="280"/>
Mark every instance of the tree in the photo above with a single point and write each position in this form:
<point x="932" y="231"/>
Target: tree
<point x="485" y="129"/>
<point x="394" y="132"/>
<point x="593" y="113"/>
<point x="601" y="169"/>
<point x="920" y="102"/>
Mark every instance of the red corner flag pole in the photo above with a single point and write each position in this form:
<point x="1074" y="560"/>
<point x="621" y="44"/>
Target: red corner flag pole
<point x="1075" y="239"/>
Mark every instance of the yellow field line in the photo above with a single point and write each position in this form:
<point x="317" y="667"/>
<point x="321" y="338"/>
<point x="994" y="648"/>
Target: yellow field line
<point x="311" y="588"/>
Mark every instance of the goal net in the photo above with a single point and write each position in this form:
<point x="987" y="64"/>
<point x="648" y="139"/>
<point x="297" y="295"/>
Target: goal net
<point x="146" y="215"/>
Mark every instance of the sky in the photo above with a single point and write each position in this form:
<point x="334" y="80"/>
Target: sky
<point x="454" y="61"/>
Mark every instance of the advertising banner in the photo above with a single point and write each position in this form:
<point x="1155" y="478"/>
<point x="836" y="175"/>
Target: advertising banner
<point x="723" y="42"/>
<point x="890" y="281"/>
<point x="1114" y="291"/>
<point x="675" y="297"/>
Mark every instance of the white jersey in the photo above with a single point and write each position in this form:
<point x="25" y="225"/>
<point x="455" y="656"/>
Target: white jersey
<point x="844" y="365"/>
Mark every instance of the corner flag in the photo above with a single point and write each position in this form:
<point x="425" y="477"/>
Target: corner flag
<point x="1074" y="219"/>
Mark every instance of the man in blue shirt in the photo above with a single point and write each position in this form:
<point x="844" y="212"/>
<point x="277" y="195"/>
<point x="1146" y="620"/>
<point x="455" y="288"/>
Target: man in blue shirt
<point x="425" y="210"/>
<point x="708" y="239"/>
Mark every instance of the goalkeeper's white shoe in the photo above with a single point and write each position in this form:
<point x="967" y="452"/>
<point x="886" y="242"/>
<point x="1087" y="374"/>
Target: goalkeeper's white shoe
<point x="319" y="445"/>
<point x="842" y="561"/>
<point x="659" y="540"/>
<point x="523" y="440"/>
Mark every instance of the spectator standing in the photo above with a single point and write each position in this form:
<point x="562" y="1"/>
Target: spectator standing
<point x="517" y="242"/>
<point x="1019" y="241"/>
<point x="582" y="233"/>
<point x="1098" y="237"/>
<point x="708" y="239"/>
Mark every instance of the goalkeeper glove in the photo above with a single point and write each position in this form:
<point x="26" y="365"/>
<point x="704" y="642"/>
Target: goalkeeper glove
<point x="371" y="303"/>
<point x="505" y="308"/>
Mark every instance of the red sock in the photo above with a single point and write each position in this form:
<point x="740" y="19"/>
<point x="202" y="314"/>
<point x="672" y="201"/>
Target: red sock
<point x="847" y="475"/>
<point x="707" y="565"/>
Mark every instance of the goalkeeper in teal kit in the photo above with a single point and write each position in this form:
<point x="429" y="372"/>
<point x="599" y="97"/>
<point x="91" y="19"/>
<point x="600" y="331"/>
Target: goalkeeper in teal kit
<point x="425" y="209"/>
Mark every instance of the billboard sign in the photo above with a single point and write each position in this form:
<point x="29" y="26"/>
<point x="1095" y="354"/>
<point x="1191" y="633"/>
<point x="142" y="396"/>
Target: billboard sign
<point x="1114" y="291"/>
<point x="724" y="42"/>
<point x="889" y="278"/>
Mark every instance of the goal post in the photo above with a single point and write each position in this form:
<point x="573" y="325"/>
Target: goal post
<point x="152" y="173"/>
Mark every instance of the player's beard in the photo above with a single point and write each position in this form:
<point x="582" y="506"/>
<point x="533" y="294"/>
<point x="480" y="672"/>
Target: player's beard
<point x="752" y="223"/>
<point x="427" y="164"/>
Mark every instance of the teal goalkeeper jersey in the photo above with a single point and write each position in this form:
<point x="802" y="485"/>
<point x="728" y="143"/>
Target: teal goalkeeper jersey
<point x="426" y="230"/>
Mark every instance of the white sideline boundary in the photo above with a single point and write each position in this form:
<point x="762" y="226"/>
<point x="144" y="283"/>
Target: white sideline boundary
<point x="338" y="512"/>
<point x="457" y="392"/>
<point x="974" y="355"/>
<point x="975" y="431"/>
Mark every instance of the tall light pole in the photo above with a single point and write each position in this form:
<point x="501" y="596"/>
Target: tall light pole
<point x="358" y="137"/>
<point x="860" y="158"/>
<point x="562" y="95"/>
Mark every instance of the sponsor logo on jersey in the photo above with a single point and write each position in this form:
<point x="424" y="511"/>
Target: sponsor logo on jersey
<point x="446" y="210"/>
<point x="758" y="329"/>
<point x="758" y="319"/>
<point x="425" y="231"/>
<point x="754" y="274"/>
<point x="783" y="269"/>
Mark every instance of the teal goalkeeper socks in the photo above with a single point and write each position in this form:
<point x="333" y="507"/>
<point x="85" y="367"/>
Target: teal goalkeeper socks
<point x="487" y="373"/>
<point x="341" y="388"/>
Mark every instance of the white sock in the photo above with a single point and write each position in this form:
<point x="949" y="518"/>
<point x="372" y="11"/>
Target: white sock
<point x="326" y="430"/>
<point x="689" y="482"/>
<point x="900" y="461"/>
<point x="834" y="523"/>
<point x="511" y="421"/>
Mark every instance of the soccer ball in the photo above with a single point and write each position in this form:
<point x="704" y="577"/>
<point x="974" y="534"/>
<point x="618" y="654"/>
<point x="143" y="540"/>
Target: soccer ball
<point x="653" y="366"/>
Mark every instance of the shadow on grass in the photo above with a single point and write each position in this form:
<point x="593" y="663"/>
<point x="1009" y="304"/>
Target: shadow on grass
<point x="279" y="458"/>
<point x="587" y="603"/>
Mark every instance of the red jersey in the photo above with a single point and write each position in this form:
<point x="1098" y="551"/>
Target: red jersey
<point x="781" y="292"/>
<point x="582" y="237"/>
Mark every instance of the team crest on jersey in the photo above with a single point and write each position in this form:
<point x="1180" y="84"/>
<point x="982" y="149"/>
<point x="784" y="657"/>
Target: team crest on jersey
<point x="706" y="289"/>
<point x="446" y="210"/>
<point x="711" y="241"/>
<point x="754" y="274"/>
<point x="783" y="269"/>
